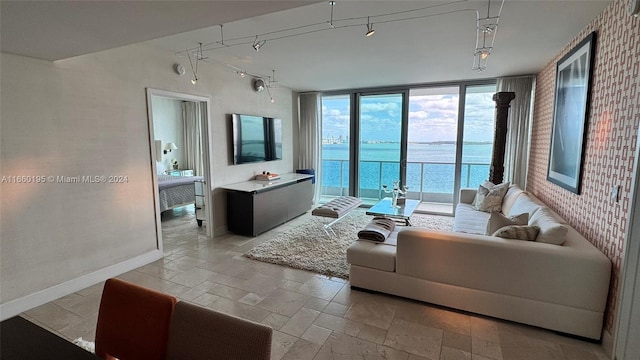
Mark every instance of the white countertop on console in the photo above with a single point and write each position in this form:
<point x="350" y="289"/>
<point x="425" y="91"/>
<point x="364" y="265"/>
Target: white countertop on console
<point x="252" y="186"/>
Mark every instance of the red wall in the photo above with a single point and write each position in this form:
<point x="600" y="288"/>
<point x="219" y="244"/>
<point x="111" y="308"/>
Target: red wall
<point x="611" y="141"/>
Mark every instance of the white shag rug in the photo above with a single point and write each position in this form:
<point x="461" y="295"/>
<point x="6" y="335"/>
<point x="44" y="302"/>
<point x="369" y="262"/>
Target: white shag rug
<point x="307" y="247"/>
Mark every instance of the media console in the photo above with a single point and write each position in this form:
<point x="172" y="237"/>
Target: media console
<point x="256" y="206"/>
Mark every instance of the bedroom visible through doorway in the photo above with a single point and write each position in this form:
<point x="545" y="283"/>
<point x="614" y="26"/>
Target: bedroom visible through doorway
<point x="179" y="137"/>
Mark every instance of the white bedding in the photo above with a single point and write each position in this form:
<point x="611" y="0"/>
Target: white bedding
<point x="181" y="194"/>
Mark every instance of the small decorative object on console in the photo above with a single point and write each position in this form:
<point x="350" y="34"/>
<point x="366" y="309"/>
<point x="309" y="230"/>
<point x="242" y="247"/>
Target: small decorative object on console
<point x="395" y="192"/>
<point x="174" y="162"/>
<point x="267" y="176"/>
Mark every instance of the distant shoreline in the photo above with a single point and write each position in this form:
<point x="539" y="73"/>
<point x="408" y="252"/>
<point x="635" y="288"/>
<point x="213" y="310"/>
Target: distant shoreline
<point x="416" y="142"/>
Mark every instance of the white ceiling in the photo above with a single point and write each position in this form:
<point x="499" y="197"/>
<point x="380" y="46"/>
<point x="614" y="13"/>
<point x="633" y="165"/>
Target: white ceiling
<point x="59" y="29"/>
<point x="436" y="48"/>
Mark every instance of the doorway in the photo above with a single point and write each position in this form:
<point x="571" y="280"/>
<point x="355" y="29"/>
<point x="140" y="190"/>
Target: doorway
<point x="169" y="158"/>
<point x="628" y="314"/>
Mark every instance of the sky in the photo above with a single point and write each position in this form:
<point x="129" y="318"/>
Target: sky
<point x="431" y="117"/>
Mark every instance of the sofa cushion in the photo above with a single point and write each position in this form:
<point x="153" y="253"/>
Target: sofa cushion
<point x="510" y="198"/>
<point x="373" y="254"/>
<point x="469" y="220"/>
<point x="498" y="220"/>
<point x="524" y="204"/>
<point x="552" y="231"/>
<point x="518" y="232"/>
<point x="489" y="196"/>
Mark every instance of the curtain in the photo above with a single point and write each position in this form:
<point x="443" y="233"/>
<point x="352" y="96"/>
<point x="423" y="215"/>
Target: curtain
<point x="310" y="145"/>
<point x="518" y="127"/>
<point x="192" y="124"/>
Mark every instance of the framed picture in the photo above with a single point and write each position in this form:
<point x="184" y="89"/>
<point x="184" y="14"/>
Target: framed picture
<point x="570" y="115"/>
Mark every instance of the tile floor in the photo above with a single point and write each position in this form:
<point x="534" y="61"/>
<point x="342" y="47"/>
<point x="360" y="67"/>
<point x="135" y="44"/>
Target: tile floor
<point x="313" y="316"/>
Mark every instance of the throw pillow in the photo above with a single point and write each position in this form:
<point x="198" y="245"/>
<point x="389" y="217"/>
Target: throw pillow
<point x="483" y="190"/>
<point x="489" y="196"/>
<point x="518" y="232"/>
<point x="497" y="220"/>
<point x="552" y="231"/>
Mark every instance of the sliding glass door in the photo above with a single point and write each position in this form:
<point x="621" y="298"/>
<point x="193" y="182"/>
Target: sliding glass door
<point x="479" y="128"/>
<point x="433" y="139"/>
<point x="379" y="149"/>
<point x="336" y="130"/>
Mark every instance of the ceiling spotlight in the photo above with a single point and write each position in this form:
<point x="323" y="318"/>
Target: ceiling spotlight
<point x="486" y="29"/>
<point x="258" y="44"/>
<point x="270" y="95"/>
<point x="194" y="69"/>
<point x="480" y="58"/>
<point x="331" y="3"/>
<point x="370" y="30"/>
<point x="241" y="73"/>
<point x="483" y="53"/>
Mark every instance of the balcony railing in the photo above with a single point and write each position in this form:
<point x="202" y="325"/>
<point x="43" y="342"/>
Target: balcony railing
<point x="427" y="181"/>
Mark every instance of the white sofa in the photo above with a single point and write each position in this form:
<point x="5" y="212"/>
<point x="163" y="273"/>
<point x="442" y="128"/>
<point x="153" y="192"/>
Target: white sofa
<point x="558" y="287"/>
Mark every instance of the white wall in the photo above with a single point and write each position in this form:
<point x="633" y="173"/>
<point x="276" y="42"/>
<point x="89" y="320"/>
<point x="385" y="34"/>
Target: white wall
<point x="87" y="116"/>
<point x="168" y="127"/>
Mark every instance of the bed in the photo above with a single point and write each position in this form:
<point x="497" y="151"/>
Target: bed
<point x="175" y="191"/>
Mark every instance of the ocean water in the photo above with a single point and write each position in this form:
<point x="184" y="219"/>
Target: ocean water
<point x="430" y="167"/>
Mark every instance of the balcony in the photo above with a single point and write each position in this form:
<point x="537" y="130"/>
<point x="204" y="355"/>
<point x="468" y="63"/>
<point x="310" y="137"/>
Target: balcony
<point x="430" y="182"/>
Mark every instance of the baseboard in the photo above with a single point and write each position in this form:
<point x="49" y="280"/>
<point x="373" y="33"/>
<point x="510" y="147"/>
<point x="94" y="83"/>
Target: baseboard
<point x="17" y="306"/>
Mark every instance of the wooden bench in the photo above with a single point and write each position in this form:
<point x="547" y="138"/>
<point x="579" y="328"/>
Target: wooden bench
<point x="336" y="209"/>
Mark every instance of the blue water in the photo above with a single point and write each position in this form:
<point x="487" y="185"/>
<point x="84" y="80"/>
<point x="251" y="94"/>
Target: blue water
<point x="379" y="165"/>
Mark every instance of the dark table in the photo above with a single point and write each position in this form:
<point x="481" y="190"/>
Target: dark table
<point x="21" y="339"/>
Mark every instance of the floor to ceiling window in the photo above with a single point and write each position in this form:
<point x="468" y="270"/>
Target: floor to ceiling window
<point x="379" y="148"/>
<point x="336" y="129"/>
<point x="432" y="143"/>
<point x="435" y="139"/>
<point x="479" y="128"/>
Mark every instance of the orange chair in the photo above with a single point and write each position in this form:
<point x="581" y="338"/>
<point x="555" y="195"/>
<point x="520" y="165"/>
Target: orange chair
<point x="133" y="322"/>
<point x="198" y="333"/>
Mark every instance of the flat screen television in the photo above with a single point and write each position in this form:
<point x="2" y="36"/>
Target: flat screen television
<point x="256" y="138"/>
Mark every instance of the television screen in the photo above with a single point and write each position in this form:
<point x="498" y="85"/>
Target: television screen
<point x="256" y="138"/>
